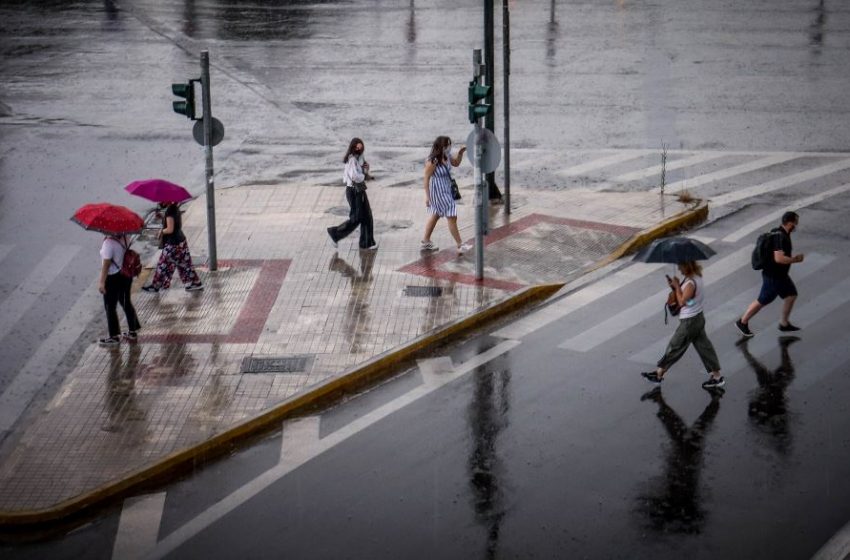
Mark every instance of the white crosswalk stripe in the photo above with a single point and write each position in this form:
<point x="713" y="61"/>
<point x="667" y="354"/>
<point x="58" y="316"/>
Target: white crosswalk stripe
<point x="600" y="163"/>
<point x="700" y="180"/>
<point x="31" y="289"/>
<point x="781" y="183"/>
<point x="655" y="170"/>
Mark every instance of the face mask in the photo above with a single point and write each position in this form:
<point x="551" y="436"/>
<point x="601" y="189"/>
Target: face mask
<point x="448" y="152"/>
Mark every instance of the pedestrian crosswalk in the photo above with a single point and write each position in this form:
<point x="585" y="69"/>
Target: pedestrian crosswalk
<point x="724" y="177"/>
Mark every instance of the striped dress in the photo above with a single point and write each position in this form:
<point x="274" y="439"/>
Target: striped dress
<point x="440" y="190"/>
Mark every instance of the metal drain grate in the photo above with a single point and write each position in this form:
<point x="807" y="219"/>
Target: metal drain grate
<point x="278" y="364"/>
<point x="423" y="291"/>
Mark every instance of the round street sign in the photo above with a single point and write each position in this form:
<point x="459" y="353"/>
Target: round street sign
<point x="491" y="153"/>
<point x="217" y="132"/>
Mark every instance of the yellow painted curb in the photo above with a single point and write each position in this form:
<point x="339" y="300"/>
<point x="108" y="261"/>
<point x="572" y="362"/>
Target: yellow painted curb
<point x="379" y="367"/>
<point x="695" y="215"/>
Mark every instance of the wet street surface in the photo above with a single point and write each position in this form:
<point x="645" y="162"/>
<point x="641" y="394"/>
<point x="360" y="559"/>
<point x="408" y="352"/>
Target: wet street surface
<point x="538" y="440"/>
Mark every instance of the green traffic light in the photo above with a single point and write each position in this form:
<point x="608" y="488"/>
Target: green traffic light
<point x="479" y="111"/>
<point x="187" y="91"/>
<point x="477" y="91"/>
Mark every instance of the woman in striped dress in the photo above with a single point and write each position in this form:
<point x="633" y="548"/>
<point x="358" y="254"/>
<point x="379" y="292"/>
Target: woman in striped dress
<point x="438" y="192"/>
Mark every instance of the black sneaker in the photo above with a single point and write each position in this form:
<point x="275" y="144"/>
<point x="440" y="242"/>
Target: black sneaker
<point x="743" y="328"/>
<point x="714" y="383"/>
<point x="130" y="336"/>
<point x="150" y="289"/>
<point x="332" y="241"/>
<point x="110" y="341"/>
<point x="652" y="377"/>
<point x="194" y="287"/>
<point x="788" y="328"/>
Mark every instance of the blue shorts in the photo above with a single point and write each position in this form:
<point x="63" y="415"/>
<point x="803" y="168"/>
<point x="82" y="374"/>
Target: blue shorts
<point x="773" y="286"/>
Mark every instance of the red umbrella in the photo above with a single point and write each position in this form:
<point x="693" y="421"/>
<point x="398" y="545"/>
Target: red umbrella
<point x="158" y="190"/>
<point x="110" y="219"/>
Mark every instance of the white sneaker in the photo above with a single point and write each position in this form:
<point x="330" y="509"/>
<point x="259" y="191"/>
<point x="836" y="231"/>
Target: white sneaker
<point x="428" y="246"/>
<point x="464" y="248"/>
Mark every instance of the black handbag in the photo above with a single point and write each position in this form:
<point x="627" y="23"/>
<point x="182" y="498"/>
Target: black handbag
<point x="359" y="187"/>
<point x="455" y="190"/>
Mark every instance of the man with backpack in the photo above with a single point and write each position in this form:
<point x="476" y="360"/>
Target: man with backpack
<point x="773" y="254"/>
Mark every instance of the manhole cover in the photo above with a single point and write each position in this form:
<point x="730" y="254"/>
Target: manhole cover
<point x="279" y="364"/>
<point x="423" y="291"/>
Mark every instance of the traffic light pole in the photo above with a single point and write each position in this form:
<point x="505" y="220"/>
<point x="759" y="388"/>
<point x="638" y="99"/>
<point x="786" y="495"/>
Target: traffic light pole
<point x="481" y="194"/>
<point x="208" y="152"/>
<point x="490" y="79"/>
<point x="506" y="70"/>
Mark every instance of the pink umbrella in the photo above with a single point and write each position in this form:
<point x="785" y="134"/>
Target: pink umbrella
<point x="158" y="190"/>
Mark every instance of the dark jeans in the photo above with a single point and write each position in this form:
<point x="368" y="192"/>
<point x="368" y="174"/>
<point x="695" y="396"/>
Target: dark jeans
<point x="118" y="291"/>
<point x="360" y="214"/>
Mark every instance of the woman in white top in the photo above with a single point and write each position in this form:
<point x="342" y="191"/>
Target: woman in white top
<point x="691" y="330"/>
<point x="360" y="212"/>
<point x="115" y="288"/>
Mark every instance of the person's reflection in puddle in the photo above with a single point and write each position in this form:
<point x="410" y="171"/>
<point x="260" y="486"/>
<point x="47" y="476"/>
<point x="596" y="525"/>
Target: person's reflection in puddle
<point x="768" y="406"/>
<point x="357" y="321"/>
<point x="488" y="415"/>
<point x="122" y="409"/>
<point x="673" y="503"/>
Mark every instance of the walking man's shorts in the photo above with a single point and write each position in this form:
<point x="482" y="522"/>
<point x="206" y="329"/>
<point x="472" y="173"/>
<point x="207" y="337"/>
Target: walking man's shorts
<point x="772" y="287"/>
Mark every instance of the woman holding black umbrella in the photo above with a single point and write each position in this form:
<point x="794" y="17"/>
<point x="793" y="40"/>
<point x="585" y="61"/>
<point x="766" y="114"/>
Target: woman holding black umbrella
<point x="689" y="294"/>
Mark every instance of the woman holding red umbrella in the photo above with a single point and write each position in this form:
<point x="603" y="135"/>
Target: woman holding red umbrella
<point x="115" y="288"/>
<point x="115" y="222"/>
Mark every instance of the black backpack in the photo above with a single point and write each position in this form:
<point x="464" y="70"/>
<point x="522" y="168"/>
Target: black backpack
<point x="763" y="251"/>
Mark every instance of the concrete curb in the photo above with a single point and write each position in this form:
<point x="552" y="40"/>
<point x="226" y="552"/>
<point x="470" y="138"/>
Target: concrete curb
<point x="377" y="368"/>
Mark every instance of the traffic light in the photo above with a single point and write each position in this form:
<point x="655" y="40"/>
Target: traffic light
<point x="478" y="92"/>
<point x="187" y="92"/>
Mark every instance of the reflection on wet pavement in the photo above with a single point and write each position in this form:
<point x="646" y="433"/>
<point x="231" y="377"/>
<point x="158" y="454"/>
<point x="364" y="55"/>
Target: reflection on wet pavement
<point x="672" y="502"/>
<point x="488" y="416"/>
<point x="768" y="407"/>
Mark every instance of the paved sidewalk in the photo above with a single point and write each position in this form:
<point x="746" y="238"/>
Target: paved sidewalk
<point x="285" y="312"/>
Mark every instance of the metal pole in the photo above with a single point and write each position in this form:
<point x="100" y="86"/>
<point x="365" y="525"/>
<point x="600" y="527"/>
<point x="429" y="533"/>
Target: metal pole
<point x="490" y="77"/>
<point x="506" y="69"/>
<point x="478" y="179"/>
<point x="208" y="152"/>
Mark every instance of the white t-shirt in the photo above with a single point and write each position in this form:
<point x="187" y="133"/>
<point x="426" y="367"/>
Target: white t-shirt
<point x="114" y="251"/>
<point x="693" y="306"/>
<point x="353" y="172"/>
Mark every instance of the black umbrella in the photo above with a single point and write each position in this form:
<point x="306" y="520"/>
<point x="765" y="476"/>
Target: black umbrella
<point x="674" y="250"/>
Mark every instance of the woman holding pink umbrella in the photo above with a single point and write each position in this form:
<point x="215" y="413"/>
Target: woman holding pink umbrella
<point x="175" y="250"/>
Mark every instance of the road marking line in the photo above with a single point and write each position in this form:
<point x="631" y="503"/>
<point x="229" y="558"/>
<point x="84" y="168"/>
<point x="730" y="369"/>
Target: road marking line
<point x="781" y="183"/>
<point x="139" y="526"/>
<point x="584" y="168"/>
<point x="297" y="436"/>
<point x="5" y="250"/>
<point x="774" y="217"/>
<point x="241" y="495"/>
<point x="31" y="289"/>
<point x="836" y="548"/>
<point x="628" y="318"/>
<point x="32" y="377"/>
<point x="655" y="170"/>
<point x="724" y="315"/>
<point x="706" y="178"/>
<point x="575" y="301"/>
<point x="434" y="369"/>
